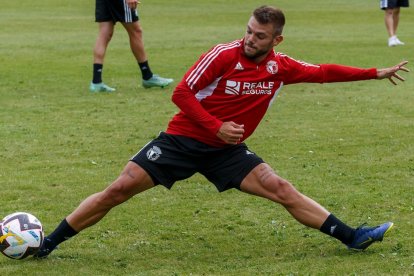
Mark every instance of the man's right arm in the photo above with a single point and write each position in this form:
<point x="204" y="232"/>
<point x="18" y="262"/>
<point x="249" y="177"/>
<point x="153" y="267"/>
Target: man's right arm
<point x="185" y="99"/>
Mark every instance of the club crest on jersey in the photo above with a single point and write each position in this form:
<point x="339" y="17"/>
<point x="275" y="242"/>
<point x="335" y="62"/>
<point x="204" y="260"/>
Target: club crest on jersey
<point x="154" y="153"/>
<point x="272" y="67"/>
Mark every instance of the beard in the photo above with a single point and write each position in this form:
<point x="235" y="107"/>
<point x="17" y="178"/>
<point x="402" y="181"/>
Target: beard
<point x="253" y="52"/>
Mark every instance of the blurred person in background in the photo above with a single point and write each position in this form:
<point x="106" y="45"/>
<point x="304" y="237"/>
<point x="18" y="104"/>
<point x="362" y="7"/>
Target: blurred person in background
<point x="107" y="13"/>
<point x="392" y="18"/>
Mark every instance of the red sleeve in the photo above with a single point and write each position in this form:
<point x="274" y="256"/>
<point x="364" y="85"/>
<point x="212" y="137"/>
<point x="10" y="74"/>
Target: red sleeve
<point x="184" y="98"/>
<point x="299" y="71"/>
<point x="341" y="73"/>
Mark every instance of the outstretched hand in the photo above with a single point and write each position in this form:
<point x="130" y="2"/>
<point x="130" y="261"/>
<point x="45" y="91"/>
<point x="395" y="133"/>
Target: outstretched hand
<point x="230" y="132"/>
<point x="391" y="72"/>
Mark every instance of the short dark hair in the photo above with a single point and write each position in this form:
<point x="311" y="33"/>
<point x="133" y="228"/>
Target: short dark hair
<point x="267" y="14"/>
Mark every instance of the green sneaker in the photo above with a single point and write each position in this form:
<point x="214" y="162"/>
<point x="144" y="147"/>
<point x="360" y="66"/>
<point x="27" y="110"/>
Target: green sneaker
<point x="156" y="81"/>
<point x="100" y="87"/>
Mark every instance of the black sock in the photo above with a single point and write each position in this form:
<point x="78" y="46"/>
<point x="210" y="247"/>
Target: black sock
<point x="337" y="229"/>
<point x="62" y="233"/>
<point x="97" y="73"/>
<point x="145" y="70"/>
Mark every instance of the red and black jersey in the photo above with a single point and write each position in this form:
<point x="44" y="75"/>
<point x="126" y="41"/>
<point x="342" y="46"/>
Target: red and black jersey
<point x="224" y="85"/>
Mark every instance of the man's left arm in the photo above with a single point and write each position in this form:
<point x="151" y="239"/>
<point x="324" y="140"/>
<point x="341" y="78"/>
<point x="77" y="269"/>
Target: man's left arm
<point x="299" y="71"/>
<point x="341" y="73"/>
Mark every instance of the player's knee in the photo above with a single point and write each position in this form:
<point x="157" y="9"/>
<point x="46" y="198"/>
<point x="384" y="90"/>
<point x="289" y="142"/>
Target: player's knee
<point x="389" y="12"/>
<point x="113" y="195"/>
<point x="283" y="191"/>
<point x="108" y="36"/>
<point x="105" y="35"/>
<point x="136" y="32"/>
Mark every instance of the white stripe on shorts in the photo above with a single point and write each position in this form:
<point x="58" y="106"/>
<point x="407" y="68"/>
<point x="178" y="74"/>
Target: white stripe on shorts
<point x="127" y="11"/>
<point x="383" y="4"/>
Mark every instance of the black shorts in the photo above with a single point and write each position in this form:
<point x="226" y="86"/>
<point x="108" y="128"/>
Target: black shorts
<point x="115" y="11"/>
<point x="391" y="4"/>
<point x="170" y="158"/>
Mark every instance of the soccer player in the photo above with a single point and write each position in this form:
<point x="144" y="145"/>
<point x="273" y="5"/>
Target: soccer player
<point x="107" y="13"/>
<point x="222" y="98"/>
<point x="392" y="18"/>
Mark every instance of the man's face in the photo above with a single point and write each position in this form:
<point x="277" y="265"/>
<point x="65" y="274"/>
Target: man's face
<point x="259" y="40"/>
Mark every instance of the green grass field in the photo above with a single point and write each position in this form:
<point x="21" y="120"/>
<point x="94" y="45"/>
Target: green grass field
<point x="349" y="146"/>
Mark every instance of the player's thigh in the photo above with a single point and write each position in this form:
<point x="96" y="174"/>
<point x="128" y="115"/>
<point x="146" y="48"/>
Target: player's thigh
<point x="132" y="180"/>
<point x="264" y="182"/>
<point x="253" y="183"/>
<point x="106" y="29"/>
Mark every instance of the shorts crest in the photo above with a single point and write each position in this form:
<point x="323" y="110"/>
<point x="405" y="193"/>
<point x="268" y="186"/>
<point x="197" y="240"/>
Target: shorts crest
<point x="154" y="153"/>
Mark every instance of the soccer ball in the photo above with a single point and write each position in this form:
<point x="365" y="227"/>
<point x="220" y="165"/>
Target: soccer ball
<point x="21" y="235"/>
